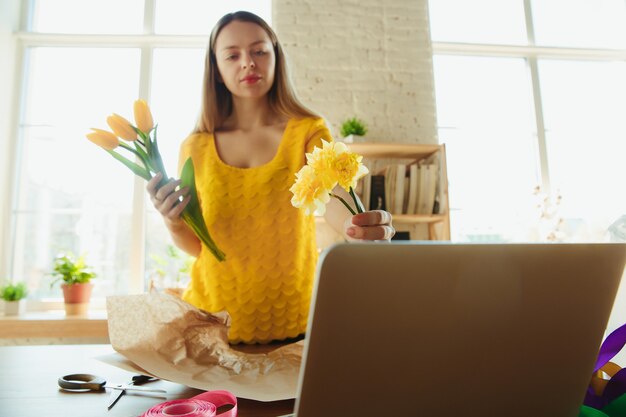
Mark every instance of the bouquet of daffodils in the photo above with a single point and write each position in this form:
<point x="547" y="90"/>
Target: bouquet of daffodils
<point x="143" y="138"/>
<point x="327" y="167"/>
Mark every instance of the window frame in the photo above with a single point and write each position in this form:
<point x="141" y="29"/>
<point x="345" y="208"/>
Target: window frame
<point x="146" y="42"/>
<point x="531" y="53"/>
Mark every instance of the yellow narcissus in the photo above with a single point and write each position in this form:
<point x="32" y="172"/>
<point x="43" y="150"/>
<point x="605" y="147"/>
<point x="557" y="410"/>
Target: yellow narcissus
<point x="309" y="192"/>
<point x="103" y="138"/>
<point x="321" y="160"/>
<point x="143" y="116"/>
<point x="335" y="164"/>
<point x="348" y="167"/>
<point x="326" y="167"/>
<point x="121" y="127"/>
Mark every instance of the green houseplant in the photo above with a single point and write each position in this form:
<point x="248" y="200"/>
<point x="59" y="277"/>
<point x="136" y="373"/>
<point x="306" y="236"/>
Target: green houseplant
<point x="353" y="128"/>
<point x="75" y="277"/>
<point x="14" y="297"/>
<point x="170" y="271"/>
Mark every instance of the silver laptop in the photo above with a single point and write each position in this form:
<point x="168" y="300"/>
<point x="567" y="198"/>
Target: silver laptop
<point x="442" y="329"/>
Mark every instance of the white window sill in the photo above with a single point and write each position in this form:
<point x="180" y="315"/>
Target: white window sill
<point x="54" y="324"/>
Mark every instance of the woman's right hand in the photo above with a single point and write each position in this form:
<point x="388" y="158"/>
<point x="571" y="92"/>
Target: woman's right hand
<point x="167" y="199"/>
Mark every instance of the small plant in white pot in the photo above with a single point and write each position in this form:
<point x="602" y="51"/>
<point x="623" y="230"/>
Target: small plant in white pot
<point x="76" y="277"/>
<point x="14" y="296"/>
<point x="353" y="130"/>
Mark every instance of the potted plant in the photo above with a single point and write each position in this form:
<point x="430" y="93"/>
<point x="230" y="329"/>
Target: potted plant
<point x="14" y="298"/>
<point x="353" y="129"/>
<point x="76" y="278"/>
<point x="171" y="271"/>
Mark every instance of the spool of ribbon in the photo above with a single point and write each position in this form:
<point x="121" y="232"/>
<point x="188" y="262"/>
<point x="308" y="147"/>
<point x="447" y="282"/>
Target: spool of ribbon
<point x="605" y="397"/>
<point x="203" y="405"/>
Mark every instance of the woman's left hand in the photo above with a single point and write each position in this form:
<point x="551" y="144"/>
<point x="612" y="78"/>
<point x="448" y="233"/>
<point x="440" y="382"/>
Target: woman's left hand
<point x="371" y="225"/>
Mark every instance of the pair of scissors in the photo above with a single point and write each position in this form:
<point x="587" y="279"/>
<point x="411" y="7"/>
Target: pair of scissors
<point x="88" y="382"/>
<point x="119" y="390"/>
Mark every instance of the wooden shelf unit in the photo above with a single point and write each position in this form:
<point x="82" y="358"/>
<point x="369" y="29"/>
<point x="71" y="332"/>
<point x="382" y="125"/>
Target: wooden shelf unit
<point x="415" y="153"/>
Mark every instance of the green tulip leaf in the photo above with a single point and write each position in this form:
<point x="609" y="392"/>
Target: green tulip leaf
<point x="138" y="170"/>
<point x="140" y="153"/>
<point x="192" y="214"/>
<point x="155" y="155"/>
<point x="143" y="156"/>
<point x="146" y="139"/>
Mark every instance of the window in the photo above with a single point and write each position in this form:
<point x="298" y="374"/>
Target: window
<point x="70" y="195"/>
<point x="532" y="94"/>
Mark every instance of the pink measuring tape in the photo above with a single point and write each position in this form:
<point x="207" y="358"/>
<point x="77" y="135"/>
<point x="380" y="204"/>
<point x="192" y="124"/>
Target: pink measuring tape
<point x="203" y="405"/>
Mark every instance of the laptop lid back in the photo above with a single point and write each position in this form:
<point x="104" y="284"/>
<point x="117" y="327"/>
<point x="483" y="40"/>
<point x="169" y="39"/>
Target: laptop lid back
<point x="445" y="329"/>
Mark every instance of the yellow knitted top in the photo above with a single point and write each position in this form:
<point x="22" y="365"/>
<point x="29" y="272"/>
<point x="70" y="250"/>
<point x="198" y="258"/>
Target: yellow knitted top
<point x="266" y="280"/>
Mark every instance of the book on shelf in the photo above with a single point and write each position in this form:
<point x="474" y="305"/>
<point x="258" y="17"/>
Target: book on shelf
<point x="389" y="174"/>
<point x="411" y="206"/>
<point x="428" y="188"/>
<point x="441" y="201"/>
<point x="367" y="188"/>
<point x="413" y="192"/>
<point x="402" y="235"/>
<point x="398" y="201"/>
<point x="377" y="192"/>
<point x="403" y="188"/>
<point x="364" y="185"/>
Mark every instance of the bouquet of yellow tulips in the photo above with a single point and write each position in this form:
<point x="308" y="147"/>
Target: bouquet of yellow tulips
<point x="327" y="167"/>
<point x="145" y="148"/>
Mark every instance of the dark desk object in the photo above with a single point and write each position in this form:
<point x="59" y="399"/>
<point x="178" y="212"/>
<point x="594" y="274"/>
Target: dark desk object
<point x="28" y="385"/>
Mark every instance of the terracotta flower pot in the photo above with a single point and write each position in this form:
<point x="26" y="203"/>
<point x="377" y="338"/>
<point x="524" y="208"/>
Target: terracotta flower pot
<point x="76" y="298"/>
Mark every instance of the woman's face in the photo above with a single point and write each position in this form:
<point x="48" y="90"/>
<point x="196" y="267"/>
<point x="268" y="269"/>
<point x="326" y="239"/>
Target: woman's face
<point x="245" y="59"/>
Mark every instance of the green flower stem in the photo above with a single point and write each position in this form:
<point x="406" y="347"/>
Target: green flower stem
<point x="357" y="204"/>
<point x="143" y="157"/>
<point x="203" y="235"/>
<point x="345" y="203"/>
<point x="164" y="179"/>
<point x="141" y="134"/>
<point x="137" y="169"/>
<point x="155" y="157"/>
<point x="146" y="140"/>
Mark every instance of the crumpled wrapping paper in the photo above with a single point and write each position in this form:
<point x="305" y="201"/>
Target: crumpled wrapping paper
<point x="175" y="341"/>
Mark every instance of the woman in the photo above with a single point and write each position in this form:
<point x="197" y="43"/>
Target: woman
<point x="250" y="141"/>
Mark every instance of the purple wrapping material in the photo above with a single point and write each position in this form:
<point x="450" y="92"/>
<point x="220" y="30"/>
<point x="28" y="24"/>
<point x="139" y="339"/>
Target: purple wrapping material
<point x="611" y="347"/>
<point x="614" y="389"/>
<point x="594" y="401"/>
<point x="616" y="386"/>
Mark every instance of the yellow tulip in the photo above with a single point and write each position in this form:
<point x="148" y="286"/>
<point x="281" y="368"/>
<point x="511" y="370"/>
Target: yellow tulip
<point x="143" y="117"/>
<point x="104" y="139"/>
<point x="121" y="127"/>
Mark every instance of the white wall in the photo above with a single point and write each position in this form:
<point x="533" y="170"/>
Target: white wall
<point x="9" y="22"/>
<point x="364" y="58"/>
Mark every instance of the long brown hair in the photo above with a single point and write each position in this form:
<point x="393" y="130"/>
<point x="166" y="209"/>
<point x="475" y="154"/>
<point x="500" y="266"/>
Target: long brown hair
<point x="217" y="101"/>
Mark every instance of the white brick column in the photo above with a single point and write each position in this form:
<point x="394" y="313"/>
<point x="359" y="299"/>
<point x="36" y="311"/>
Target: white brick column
<point x="366" y="58"/>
